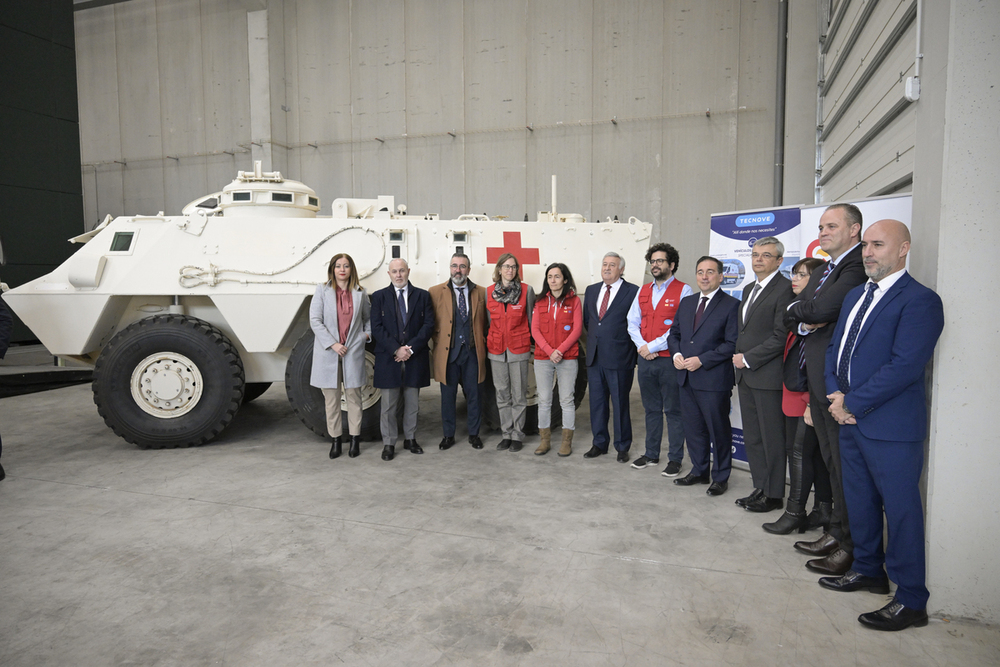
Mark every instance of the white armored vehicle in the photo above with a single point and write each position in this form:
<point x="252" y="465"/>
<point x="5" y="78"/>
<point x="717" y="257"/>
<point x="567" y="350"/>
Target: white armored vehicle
<point x="186" y="317"/>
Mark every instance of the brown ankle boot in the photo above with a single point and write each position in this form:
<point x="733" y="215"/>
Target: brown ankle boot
<point x="567" y="442"/>
<point x="546" y="445"/>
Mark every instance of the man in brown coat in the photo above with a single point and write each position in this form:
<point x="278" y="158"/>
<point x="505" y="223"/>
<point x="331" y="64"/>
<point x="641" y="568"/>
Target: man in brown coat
<point x="459" y="347"/>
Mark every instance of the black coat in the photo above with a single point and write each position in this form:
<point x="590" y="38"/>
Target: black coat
<point x="388" y="337"/>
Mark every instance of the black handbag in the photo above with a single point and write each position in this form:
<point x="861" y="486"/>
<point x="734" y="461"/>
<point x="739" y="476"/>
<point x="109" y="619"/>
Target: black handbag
<point x="793" y="376"/>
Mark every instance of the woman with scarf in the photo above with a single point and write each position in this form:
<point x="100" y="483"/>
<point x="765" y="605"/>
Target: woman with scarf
<point x="556" y="326"/>
<point x="508" y="346"/>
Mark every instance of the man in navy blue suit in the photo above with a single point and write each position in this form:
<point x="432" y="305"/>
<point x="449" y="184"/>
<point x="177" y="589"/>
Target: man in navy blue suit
<point x="402" y="324"/>
<point x="702" y="342"/>
<point x="875" y="365"/>
<point x="611" y="356"/>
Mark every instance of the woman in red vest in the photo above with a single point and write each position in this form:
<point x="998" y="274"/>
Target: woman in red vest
<point x="556" y="326"/>
<point x="508" y="346"/>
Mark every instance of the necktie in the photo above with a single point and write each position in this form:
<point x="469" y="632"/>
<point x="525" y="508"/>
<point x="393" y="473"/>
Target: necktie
<point x="753" y="295"/>
<point x="402" y="305"/>
<point x="701" y="311"/>
<point x="604" y="304"/>
<point x="826" y="272"/>
<point x="844" y="367"/>
<point x="463" y="309"/>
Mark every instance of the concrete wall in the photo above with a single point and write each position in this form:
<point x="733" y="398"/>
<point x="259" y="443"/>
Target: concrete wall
<point x="955" y="204"/>
<point x="363" y="96"/>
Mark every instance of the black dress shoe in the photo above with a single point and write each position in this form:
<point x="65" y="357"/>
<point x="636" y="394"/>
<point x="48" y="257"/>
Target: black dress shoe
<point x="503" y="444"/>
<point x="594" y="452"/>
<point x="335" y="450"/>
<point x="388" y="452"/>
<point x="446" y="442"/>
<point x="516" y="445"/>
<point x="854" y="581"/>
<point x="820" y="515"/>
<point x="475" y="442"/>
<point x="893" y="617"/>
<point x="837" y="563"/>
<point x="764" y="504"/>
<point x="788" y="523"/>
<point x="355" y="446"/>
<point x="622" y="457"/>
<point x="2" y="474"/>
<point x="412" y="447"/>
<point x="717" y="488"/>
<point x="691" y="479"/>
<point x="824" y="546"/>
<point x="742" y="502"/>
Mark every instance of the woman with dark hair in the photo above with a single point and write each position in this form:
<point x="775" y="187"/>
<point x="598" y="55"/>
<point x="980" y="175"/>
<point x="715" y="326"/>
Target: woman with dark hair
<point x="508" y="346"/>
<point x="805" y="462"/>
<point x="339" y="317"/>
<point x="556" y="327"/>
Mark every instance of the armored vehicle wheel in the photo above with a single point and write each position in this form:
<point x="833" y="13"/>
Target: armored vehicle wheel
<point x="308" y="403"/>
<point x="168" y="381"/>
<point x="254" y="390"/>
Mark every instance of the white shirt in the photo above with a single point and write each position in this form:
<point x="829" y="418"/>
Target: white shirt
<point x="882" y="287"/>
<point x="615" y="288"/>
<point x="763" y="283"/>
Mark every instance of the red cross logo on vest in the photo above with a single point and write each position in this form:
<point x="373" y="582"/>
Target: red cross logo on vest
<point x="512" y="244"/>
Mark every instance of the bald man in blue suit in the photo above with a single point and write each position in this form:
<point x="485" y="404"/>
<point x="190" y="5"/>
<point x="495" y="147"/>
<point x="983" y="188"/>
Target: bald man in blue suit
<point x="875" y="363"/>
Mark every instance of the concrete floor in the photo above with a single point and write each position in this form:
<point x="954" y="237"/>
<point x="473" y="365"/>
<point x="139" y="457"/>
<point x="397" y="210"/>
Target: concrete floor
<point x="259" y="550"/>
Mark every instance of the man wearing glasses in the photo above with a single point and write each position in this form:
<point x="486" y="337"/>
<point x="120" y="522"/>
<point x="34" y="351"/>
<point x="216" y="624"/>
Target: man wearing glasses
<point x="758" y="362"/>
<point x="649" y="320"/>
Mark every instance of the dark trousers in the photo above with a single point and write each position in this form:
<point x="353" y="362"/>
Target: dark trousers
<point x="614" y="384"/>
<point x="805" y="466"/>
<point x="464" y="370"/>
<point x="661" y="395"/>
<point x="764" y="437"/>
<point x="828" y="430"/>
<point x="706" y="423"/>
<point x="881" y="475"/>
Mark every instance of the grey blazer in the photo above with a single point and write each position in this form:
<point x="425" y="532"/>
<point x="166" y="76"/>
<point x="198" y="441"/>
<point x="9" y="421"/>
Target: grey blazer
<point x="323" y="320"/>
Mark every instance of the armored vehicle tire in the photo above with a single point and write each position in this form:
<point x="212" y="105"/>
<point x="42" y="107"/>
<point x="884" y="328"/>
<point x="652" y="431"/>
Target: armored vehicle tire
<point x="254" y="390"/>
<point x="168" y="381"/>
<point x="308" y="402"/>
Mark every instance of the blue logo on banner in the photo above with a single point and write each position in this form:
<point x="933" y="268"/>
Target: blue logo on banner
<point x="755" y="220"/>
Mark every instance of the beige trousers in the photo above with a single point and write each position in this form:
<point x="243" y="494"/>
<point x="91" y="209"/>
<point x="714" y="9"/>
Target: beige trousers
<point x="333" y="408"/>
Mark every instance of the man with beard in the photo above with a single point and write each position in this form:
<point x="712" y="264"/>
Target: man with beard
<point x="649" y="320"/>
<point x="459" y="347"/>
<point x="875" y="363"/>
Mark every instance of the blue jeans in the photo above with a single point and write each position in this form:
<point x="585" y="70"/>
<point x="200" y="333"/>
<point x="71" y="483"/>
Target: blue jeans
<point x="661" y="395"/>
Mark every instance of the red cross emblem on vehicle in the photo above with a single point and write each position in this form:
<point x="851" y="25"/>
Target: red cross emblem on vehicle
<point x="512" y="244"/>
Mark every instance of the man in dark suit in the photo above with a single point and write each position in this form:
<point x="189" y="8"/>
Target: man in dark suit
<point x="702" y="342"/>
<point x="611" y="356"/>
<point x="459" y="347"/>
<point x="817" y="306"/>
<point x="758" y="362"/>
<point x="875" y="382"/>
<point x="402" y="323"/>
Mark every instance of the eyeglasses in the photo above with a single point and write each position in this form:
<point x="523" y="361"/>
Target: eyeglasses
<point x="763" y="255"/>
<point x="509" y="267"/>
<point x="658" y="261"/>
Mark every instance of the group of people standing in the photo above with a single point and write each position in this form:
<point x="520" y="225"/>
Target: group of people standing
<point x="829" y="370"/>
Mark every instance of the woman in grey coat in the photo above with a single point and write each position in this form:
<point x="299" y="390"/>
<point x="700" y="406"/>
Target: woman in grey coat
<point x="339" y="316"/>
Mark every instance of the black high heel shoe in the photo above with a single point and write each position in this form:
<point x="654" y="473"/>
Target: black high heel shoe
<point x="820" y="515"/>
<point x="787" y="523"/>
<point x="355" y="446"/>
<point x="335" y="449"/>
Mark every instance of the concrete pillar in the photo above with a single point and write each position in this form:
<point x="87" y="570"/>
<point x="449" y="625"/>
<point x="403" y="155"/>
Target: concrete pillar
<point x="956" y="201"/>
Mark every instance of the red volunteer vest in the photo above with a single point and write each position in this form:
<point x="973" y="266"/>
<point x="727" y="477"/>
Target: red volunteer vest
<point x="508" y="326"/>
<point x="656" y="321"/>
<point x="556" y="329"/>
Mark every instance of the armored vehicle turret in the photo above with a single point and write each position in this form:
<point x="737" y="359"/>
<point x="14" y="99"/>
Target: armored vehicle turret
<point x="186" y="317"/>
